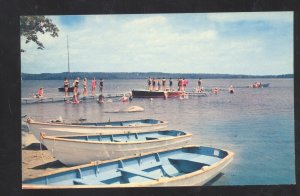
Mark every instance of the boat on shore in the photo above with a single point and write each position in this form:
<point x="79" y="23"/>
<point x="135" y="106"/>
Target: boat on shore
<point x="184" y="166"/>
<point x="76" y="150"/>
<point x="83" y="128"/>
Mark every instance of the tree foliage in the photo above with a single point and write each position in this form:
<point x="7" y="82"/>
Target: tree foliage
<point x="30" y="26"/>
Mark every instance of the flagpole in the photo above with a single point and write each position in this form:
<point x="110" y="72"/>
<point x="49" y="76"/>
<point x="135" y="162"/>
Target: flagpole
<point x="68" y="54"/>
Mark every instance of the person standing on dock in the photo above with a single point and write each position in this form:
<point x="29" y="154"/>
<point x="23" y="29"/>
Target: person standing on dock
<point x="149" y="84"/>
<point x="179" y="84"/>
<point x="184" y="84"/>
<point x="84" y="87"/>
<point x="153" y="84"/>
<point x="158" y="84"/>
<point x="76" y="85"/>
<point x="66" y="86"/>
<point x="163" y="84"/>
<point x="101" y="84"/>
<point x="94" y="84"/>
<point x="170" y="84"/>
<point x="199" y="88"/>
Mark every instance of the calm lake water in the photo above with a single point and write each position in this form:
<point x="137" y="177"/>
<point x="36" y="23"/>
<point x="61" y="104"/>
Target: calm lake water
<point x="256" y="124"/>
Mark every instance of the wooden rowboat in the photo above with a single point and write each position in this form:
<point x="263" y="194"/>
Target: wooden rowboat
<point x="114" y="127"/>
<point x="75" y="150"/>
<point x="185" y="166"/>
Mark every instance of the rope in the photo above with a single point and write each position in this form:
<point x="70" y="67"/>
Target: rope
<point x="52" y="150"/>
<point x="42" y="152"/>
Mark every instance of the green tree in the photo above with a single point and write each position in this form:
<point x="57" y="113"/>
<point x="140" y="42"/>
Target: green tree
<point x="30" y="26"/>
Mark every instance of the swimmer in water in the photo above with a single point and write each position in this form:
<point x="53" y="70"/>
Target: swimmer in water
<point x="101" y="99"/>
<point x="231" y="89"/>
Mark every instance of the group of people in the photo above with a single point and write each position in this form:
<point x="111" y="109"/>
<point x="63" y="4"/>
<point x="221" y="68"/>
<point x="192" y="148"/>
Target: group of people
<point x="182" y="83"/>
<point x="158" y="84"/>
<point x="84" y="84"/>
<point x="161" y="84"/>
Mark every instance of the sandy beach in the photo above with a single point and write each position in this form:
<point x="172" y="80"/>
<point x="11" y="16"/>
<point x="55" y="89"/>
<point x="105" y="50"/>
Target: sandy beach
<point x="36" y="159"/>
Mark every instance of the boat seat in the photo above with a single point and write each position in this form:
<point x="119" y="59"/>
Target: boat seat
<point x="83" y="181"/>
<point x="170" y="170"/>
<point x="152" y="138"/>
<point x="117" y="140"/>
<point x="138" y="172"/>
<point x="149" y="165"/>
<point x="205" y="160"/>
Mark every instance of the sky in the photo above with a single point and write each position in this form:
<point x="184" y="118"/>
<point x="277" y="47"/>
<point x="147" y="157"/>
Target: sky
<point x="251" y="43"/>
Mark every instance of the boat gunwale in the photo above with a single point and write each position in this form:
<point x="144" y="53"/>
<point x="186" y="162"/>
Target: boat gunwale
<point x="203" y="170"/>
<point x="160" y="122"/>
<point x="58" y="138"/>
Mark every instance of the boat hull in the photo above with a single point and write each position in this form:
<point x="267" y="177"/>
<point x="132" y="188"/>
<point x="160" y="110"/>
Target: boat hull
<point x="73" y="152"/>
<point x="153" y="167"/>
<point x="57" y="129"/>
<point x="62" y="89"/>
<point x="155" y="94"/>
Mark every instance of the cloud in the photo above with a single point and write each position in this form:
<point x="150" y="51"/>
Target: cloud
<point x="165" y="42"/>
<point x="150" y="21"/>
<point x="251" y="16"/>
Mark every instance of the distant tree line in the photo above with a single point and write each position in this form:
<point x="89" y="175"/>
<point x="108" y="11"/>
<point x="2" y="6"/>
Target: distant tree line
<point x="139" y="75"/>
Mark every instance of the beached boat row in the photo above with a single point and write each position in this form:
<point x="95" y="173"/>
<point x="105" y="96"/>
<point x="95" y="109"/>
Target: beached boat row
<point x="124" y="154"/>
<point x="185" y="166"/>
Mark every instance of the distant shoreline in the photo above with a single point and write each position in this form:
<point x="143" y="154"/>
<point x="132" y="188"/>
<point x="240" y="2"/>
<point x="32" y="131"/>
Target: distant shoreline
<point x="142" y="75"/>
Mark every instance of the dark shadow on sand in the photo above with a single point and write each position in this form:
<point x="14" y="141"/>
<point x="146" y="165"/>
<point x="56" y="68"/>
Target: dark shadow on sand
<point x="53" y="165"/>
<point x="35" y="146"/>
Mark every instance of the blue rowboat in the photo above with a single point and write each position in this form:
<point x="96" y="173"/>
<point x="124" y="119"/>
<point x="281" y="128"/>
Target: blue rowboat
<point x="113" y="127"/>
<point x="185" y="166"/>
<point x="75" y="150"/>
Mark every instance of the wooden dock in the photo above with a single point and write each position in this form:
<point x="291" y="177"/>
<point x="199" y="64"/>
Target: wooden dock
<point x="32" y="100"/>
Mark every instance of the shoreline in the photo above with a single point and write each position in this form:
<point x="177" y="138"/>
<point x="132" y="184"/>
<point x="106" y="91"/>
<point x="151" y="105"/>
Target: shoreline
<point x="36" y="159"/>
